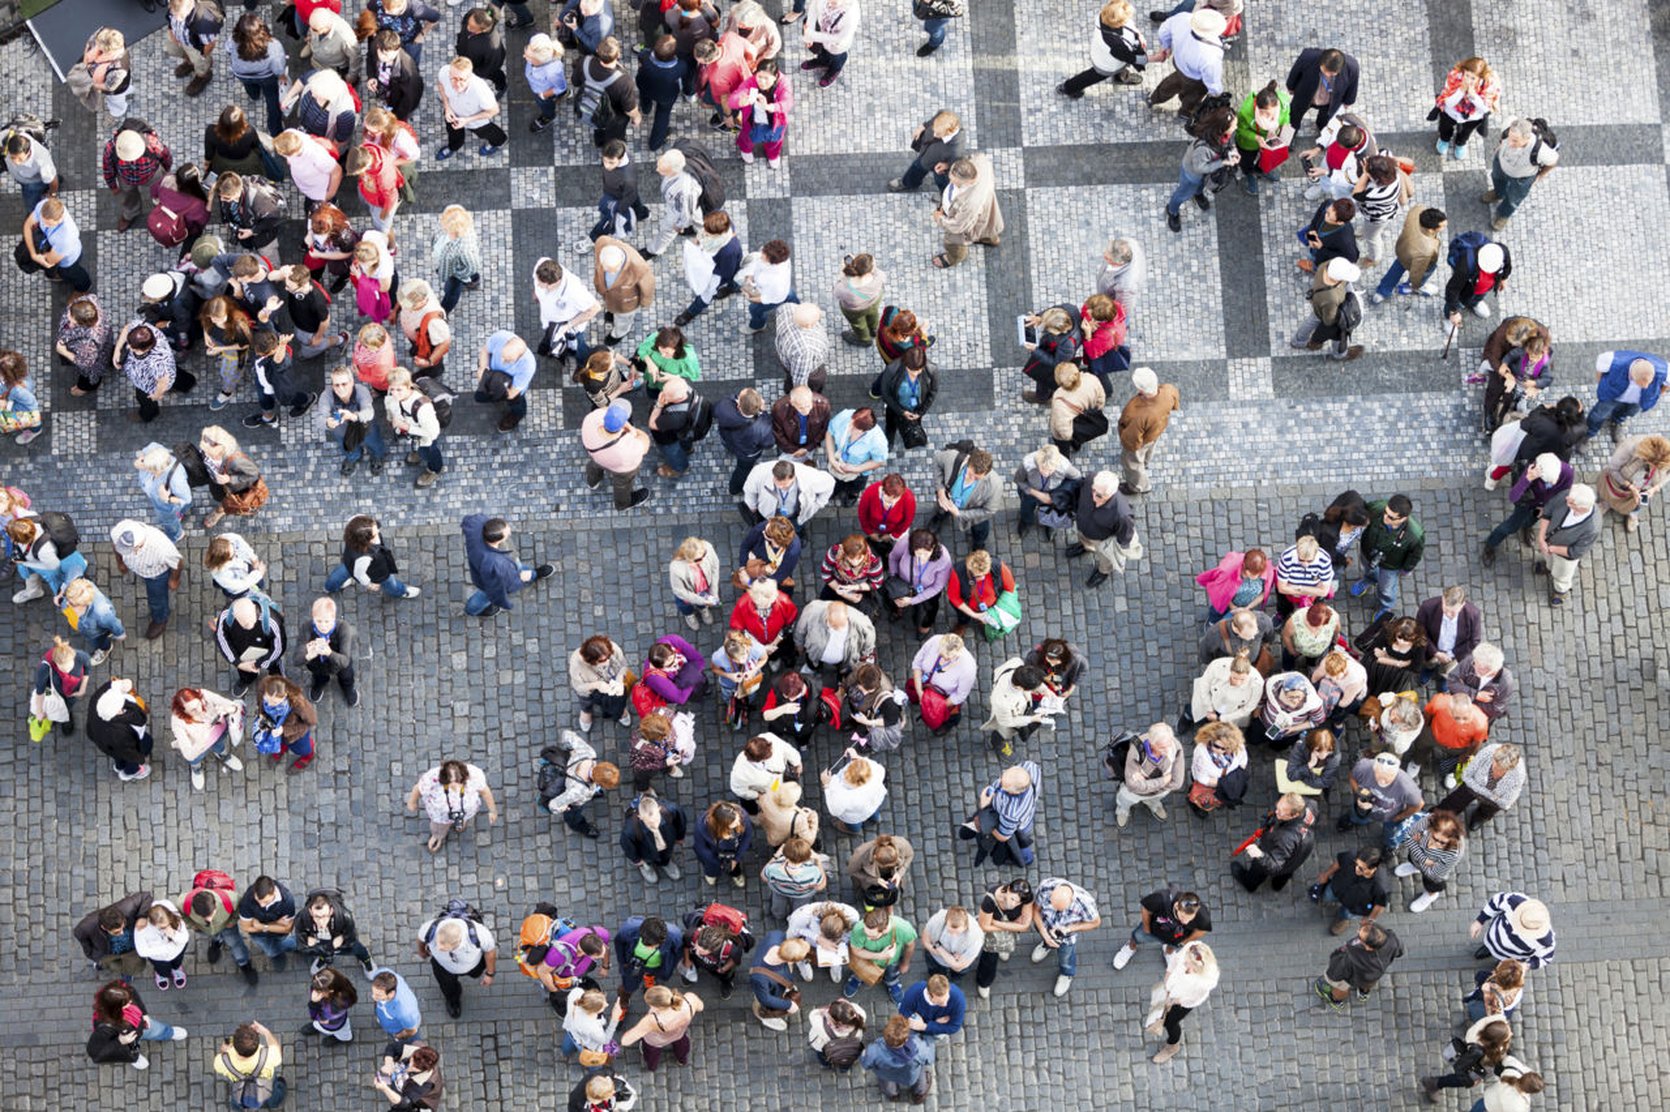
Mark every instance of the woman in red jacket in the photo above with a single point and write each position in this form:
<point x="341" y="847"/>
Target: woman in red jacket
<point x="767" y="615"/>
<point x="886" y="512"/>
<point x="974" y="587"/>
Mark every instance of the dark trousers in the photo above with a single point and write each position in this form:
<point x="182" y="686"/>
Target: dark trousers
<point x="491" y="134"/>
<point x="918" y="171"/>
<point x="1252" y="875"/>
<point x="453" y="290"/>
<point x="1458" y="132"/>
<point x="514" y="408"/>
<point x="1523" y="517"/>
<point x="1082" y="80"/>
<point x="1174" y="1023"/>
<point x="452" y="986"/>
<point x="1324" y="113"/>
<point x="660" y="124"/>
<point x="832" y="64"/>
<point x="600" y="136"/>
<point x="985" y="970"/>
<point x="679" y="1049"/>
<point x="73" y="273"/>
<point x="267" y="89"/>
<point x="322" y="673"/>
<point x="1456" y="803"/>
<point x="739" y="473"/>
<point x="1187" y="90"/>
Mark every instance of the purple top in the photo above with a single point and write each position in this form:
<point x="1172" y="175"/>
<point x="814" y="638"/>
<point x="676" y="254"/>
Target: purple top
<point x="677" y="689"/>
<point x="929" y="580"/>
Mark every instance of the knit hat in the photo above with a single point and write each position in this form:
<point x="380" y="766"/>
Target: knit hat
<point x="1343" y="270"/>
<point x="1530" y="917"/>
<point x="130" y="146"/>
<point x="1208" y="24"/>
<point x="616" y="416"/>
<point x="204" y="250"/>
<point x="1548" y="466"/>
<point x="1145" y="380"/>
<point x="157" y="287"/>
<point x="1491" y="258"/>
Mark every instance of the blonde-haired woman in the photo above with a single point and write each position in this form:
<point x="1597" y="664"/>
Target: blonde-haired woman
<point x="1228" y="691"/>
<point x="1117" y="51"/>
<point x="1191" y="975"/>
<point x="588" y="1027"/>
<point x="666" y="1026"/>
<point x="1464" y="104"/>
<point x="161" y="938"/>
<point x="411" y="413"/>
<point x="374" y="356"/>
<point x="235" y="482"/>
<point x="1219" y="750"/>
<point x="424" y="324"/>
<point x="1638" y="470"/>
<point x="457" y="255"/>
<point x="60" y="678"/>
<point x="92" y="616"/>
<point x="694" y="575"/>
<point x="1076" y="395"/>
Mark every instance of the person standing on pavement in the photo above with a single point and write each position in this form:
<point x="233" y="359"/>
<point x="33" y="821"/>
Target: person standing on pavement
<point x="249" y="1061"/>
<point x="396" y="1005"/>
<point x="584" y="777"/>
<point x="251" y="636"/>
<point x="1359" y="964"/>
<point x="1542" y="483"/>
<point x="120" y="728"/>
<point x="1381" y="792"/>
<point x="1355" y="883"/>
<point x="614" y="447"/>
<point x="120" y="1021"/>
<point x="1169" y="917"/>
<point x="1568" y="530"/>
<point x="134" y="157"/>
<point x="1524" y="156"/>
<point x="193" y="27"/>
<point x="267" y="917"/>
<point x="106" y="935"/>
<point x="469" y="105"/>
<point x="1154" y="769"/>
<point x="210" y="911"/>
<point x="494" y="569"/>
<point x="952" y="942"/>
<point x="1190" y="977"/>
<point x="457" y="946"/>
<point x="504" y="370"/>
<point x="1323" y="79"/>
<point x="325" y="928"/>
<point x="1141" y="424"/>
<point x="1393" y="544"/>
<point x="1627" y="383"/>
<point x="1285" y="840"/>
<point x="1418" y="249"/>
<point x="367" y="561"/>
<point x="1453" y="627"/>
<point x="1064" y="911"/>
<point x="745" y="428"/>
<point x="1193" y="42"/>
<point x="1104" y="528"/>
<point x="1474" y="275"/>
<point x="328" y="653"/>
<point x="145" y="551"/>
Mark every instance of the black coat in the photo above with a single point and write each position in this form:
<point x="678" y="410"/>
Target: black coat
<point x="1469" y="626"/>
<point x="1545" y="433"/>
<point x="405" y="87"/>
<point x="341" y="925"/>
<point x="746" y="438"/>
<point x="1306" y="75"/>
<point x="486" y="52"/>
<point x="894" y="375"/>
<point x="635" y="840"/>
<point x="105" y="1046"/>
<point x="94" y="942"/>
<point x="1111" y="519"/>
<point x="1287" y="845"/>
<point x="119" y="737"/>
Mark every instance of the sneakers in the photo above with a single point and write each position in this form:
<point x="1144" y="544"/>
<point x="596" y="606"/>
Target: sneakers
<point x="1327" y="995"/>
<point x="804" y="968"/>
<point x="315" y="691"/>
<point x="1040" y="952"/>
<point x="1449" y="781"/>
<point x="250" y="976"/>
<point x="1408" y="868"/>
<point x="544" y="571"/>
<point x="1124" y="956"/>
<point x="352" y="698"/>
<point x="1121" y="819"/>
<point x="412" y="592"/>
<point x="1174" y="221"/>
<point x="141" y="1063"/>
<point x="33" y="589"/>
<point x="1443" y="146"/>
<point x="692" y="621"/>
<point x="710" y="881"/>
<point x="739" y="880"/>
<point x="1423" y="901"/>
<point x="1377" y="298"/>
<point x="1482" y="309"/>
<point x="688" y="972"/>
<point x="215" y="950"/>
<point x="1166" y="1053"/>
<point x="179" y="1035"/>
<point x="144" y="771"/>
<point x="1159" y="812"/>
<point x="197" y="779"/>
<point x="985" y="991"/>
<point x="774" y="1023"/>
<point x="648" y="872"/>
<point x="707" y="615"/>
<point x="179" y="978"/>
<point x="1062" y="984"/>
<point x="1340" y="925"/>
<point x="231" y="763"/>
<point x="1360" y="588"/>
<point x="318" y="964"/>
<point x="1488" y="197"/>
<point x="673" y="871"/>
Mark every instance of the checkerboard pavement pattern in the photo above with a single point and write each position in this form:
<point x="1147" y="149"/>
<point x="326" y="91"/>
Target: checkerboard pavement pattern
<point x="1265" y="434"/>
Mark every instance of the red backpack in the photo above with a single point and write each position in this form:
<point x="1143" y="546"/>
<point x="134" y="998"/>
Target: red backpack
<point x="213" y="880"/>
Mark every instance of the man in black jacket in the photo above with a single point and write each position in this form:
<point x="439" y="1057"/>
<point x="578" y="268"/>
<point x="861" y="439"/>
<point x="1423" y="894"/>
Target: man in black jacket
<point x="1105" y="528"/>
<point x="1453" y="628"/>
<point x="744" y="426"/>
<point x="936" y="145"/>
<point x="106" y="935"/>
<point x="1323" y="79"/>
<point x="328" y="653"/>
<point x="1359" y="964"/>
<point x="251" y="637"/>
<point x="481" y="40"/>
<point x="1286" y="841"/>
<point x="252" y="208"/>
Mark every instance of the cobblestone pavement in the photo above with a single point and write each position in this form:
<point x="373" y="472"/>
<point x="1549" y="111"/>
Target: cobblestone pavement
<point x="1265" y="435"/>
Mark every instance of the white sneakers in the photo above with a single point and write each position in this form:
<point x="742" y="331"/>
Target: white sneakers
<point x="1423" y="901"/>
<point x="1482" y="309"/>
<point x="1040" y="952"/>
<point x="412" y="592"/>
<point x="142" y="1063"/>
<point x="99" y="657"/>
<point x="649" y="872"/>
<point x="676" y="771"/>
<point x="144" y="771"/>
<point x="688" y="972"/>
<point x="672" y="870"/>
<point x="231" y="763"/>
<point x="835" y="973"/>
<point x="197" y="779"/>
<point x="1124" y="956"/>
<point x="1062" y="984"/>
<point x="1121" y="819"/>
<point x="774" y="1023"/>
<point x="1159" y="812"/>
<point x="804" y="968"/>
<point x="33" y="589"/>
<point x="985" y="991"/>
<point x="692" y="621"/>
<point x="1408" y="868"/>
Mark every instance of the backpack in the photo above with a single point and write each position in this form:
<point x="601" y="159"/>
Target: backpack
<point x="213" y="880"/>
<point x="1545" y="138"/>
<point x="167" y="227"/>
<point x="1206" y="107"/>
<point x="699" y="423"/>
<point x="441" y="397"/>
<point x="1463" y="254"/>
<point x="1309" y="526"/>
<point x="702" y="168"/>
<point x="249" y="1090"/>
<point x="455" y="909"/>
<point x="190" y="457"/>
<point x="31" y="125"/>
<point x="726" y="916"/>
<point x="938" y="9"/>
<point x="547" y="932"/>
<point x="61" y="530"/>
<point x="1117" y="750"/>
<point x="843" y="1050"/>
<point x="594" y="104"/>
<point x="1350" y="312"/>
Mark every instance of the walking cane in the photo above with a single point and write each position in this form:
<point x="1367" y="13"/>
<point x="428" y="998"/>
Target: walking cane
<point x="1454" y="328"/>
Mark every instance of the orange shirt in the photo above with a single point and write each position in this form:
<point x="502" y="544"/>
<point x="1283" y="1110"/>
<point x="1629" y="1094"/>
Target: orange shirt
<point x="1452" y="733"/>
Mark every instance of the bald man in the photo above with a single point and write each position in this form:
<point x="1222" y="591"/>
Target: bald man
<point x="624" y="283"/>
<point x="802" y="346"/>
<point x="251" y="637"/>
<point x="503" y="371"/>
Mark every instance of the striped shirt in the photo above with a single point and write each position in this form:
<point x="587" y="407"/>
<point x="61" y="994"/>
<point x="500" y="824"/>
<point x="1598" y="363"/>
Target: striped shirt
<point x="457" y="258"/>
<point x="1016" y="812"/>
<point x="1291" y="569"/>
<point x="153" y="370"/>
<point x="154" y="553"/>
<point x="838" y="572"/>
<point x="1504" y="792"/>
<point x="1435" y="864"/>
<point x="1379" y="202"/>
<point x="1504" y="942"/>
<point x="1081" y="910"/>
<point x="791" y="880"/>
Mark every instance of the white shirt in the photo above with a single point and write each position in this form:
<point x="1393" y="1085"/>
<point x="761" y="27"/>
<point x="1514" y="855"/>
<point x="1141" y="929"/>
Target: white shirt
<point x="853" y="805"/>
<point x="1446" y="633"/>
<point x="564" y="301"/>
<point x="311" y="169"/>
<point x="772" y="280"/>
<point x="835" y="649"/>
<point x="476" y="97"/>
<point x="38" y="167"/>
<point x="468" y="955"/>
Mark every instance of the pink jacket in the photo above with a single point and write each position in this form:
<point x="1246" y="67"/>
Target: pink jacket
<point x="1222" y="581"/>
<point x="730" y="70"/>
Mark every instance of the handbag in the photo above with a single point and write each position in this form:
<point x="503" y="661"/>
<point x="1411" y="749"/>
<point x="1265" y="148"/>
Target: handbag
<point x="914" y="435"/>
<point x="39" y="728"/>
<point x="936" y="709"/>
<point x="167" y="227"/>
<point x="864" y="969"/>
<point x="1006" y="615"/>
<point x="895" y="587"/>
<point x="594" y="1059"/>
<point x="1089" y="425"/>
<point x="273" y="166"/>
<point x="241" y="503"/>
<point x="1203" y="798"/>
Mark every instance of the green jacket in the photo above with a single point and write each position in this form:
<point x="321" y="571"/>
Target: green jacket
<point x="658" y="368"/>
<point x="1246" y="133"/>
<point x="1397" y="552"/>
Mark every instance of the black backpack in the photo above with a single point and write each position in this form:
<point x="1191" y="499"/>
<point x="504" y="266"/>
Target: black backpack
<point x="1115" y="753"/>
<point x="27" y="123"/>
<point x="460" y="910"/>
<point x="1350" y="312"/>
<point x="1206" y="107"/>
<point x="61" y="530"/>
<point x="700" y="422"/>
<point x="1545" y="138"/>
<point x="702" y="168"/>
<point x="843" y="1050"/>
<point x="1309" y="526"/>
<point x="594" y="104"/>
<point x="189" y="457"/>
<point x="438" y="394"/>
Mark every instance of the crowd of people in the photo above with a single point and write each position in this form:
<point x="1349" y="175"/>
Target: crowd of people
<point x="841" y="650"/>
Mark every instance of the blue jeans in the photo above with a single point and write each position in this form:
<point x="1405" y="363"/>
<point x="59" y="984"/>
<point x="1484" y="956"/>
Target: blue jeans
<point x="1523" y="517"/>
<point x="451" y="290"/>
<point x="73" y="566"/>
<point x="1067" y="956"/>
<point x="1614" y="411"/>
<point x="432" y="460"/>
<point x="1388" y="283"/>
<point x="232" y="938"/>
<point x="759" y="313"/>
<point x="477" y="604"/>
<point x="675" y="456"/>
<point x="155" y="1030"/>
<point x="279" y="1092"/>
<point x="1343" y="913"/>
<point x="158" y="596"/>
<point x="273" y="945"/>
<point x="1188" y="186"/>
<point x="170" y="518"/>
<point x="373" y="442"/>
<point x="1510" y="192"/>
<point x="569" y="1046"/>
<point x="916" y="173"/>
<point x="1386" y="584"/>
<point x="1139" y="936"/>
<point x="393" y="587"/>
<point x="34" y="193"/>
<point x="267" y="89"/>
<point x="936" y="31"/>
<point x="889" y="980"/>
